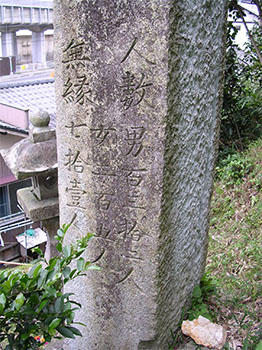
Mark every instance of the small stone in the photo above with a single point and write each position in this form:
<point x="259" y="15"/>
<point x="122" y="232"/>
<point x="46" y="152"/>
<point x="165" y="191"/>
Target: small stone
<point x="204" y="332"/>
<point x="39" y="118"/>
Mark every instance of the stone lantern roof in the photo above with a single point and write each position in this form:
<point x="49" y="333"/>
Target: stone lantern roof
<point x="36" y="155"/>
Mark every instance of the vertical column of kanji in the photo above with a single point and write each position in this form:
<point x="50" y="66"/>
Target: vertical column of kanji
<point x="75" y="104"/>
<point x="132" y="176"/>
<point x="76" y="101"/>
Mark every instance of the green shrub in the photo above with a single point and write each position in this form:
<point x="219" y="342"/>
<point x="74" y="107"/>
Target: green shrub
<point x="242" y="97"/>
<point x="33" y="307"/>
<point x="234" y="168"/>
<point x="200" y="296"/>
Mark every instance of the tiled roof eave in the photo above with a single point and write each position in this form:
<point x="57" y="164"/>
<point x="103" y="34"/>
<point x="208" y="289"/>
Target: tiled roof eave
<point x="6" y="85"/>
<point x="6" y="126"/>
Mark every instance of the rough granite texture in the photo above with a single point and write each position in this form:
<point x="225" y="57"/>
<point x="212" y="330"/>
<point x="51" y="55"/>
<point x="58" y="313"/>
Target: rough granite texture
<point x="138" y="88"/>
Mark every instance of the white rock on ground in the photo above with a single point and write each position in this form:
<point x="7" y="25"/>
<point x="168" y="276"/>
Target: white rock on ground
<point x="204" y="332"/>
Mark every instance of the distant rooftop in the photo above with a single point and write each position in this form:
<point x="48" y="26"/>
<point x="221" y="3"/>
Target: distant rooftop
<point x="6" y="126"/>
<point x="30" y="94"/>
<point x="31" y="3"/>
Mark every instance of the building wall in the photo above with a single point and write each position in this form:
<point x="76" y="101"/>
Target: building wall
<point x="7" y="140"/>
<point x="14" y="116"/>
<point x="49" y="47"/>
<point x="5" y="172"/>
<point x="24" y="49"/>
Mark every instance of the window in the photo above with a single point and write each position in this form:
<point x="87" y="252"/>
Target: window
<point x="8" y="199"/>
<point x="4" y="203"/>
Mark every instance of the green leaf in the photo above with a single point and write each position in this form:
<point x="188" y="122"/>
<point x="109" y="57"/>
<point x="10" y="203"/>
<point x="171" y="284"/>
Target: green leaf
<point x="24" y="336"/>
<point x="75" y="302"/>
<point x="30" y="331"/>
<point x="67" y="295"/>
<point x="67" y="306"/>
<point x="72" y="273"/>
<point x="75" y="330"/>
<point x="66" y="272"/>
<point x="33" y="299"/>
<point x="34" y="271"/>
<point x="60" y="233"/>
<point x="259" y="346"/>
<point x="65" y="227"/>
<point x="19" y="301"/>
<point x="59" y="247"/>
<point x="42" y="278"/>
<point x="52" y="263"/>
<point x="2" y="302"/>
<point x="38" y="251"/>
<point x="59" y="305"/>
<point x="13" y="278"/>
<point x="66" y="332"/>
<point x="51" y="275"/>
<point x="79" y="252"/>
<point x="197" y="292"/>
<point x="80" y="264"/>
<point x="49" y="293"/>
<point x="67" y="251"/>
<point x="54" y="324"/>
<point x="70" y="317"/>
<point x="42" y="305"/>
<point x="80" y="323"/>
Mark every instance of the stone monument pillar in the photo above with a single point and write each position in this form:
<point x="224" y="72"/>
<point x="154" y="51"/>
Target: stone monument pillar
<point x="138" y="87"/>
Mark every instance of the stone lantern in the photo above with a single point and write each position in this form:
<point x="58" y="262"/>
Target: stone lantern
<point x="36" y="157"/>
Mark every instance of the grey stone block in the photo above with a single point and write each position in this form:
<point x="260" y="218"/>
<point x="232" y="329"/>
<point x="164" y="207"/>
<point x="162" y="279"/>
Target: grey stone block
<point x="35" y="209"/>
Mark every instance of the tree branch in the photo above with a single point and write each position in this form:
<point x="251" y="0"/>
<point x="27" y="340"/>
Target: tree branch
<point x="247" y="10"/>
<point x="242" y="15"/>
<point x="258" y="4"/>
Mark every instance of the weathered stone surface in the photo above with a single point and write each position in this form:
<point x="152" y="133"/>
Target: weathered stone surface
<point x="191" y="345"/>
<point x="42" y="134"/>
<point x="39" y="118"/>
<point x="26" y="159"/>
<point x="138" y="98"/>
<point x="40" y="131"/>
<point x="204" y="332"/>
<point x="35" y="209"/>
<point x="51" y="226"/>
